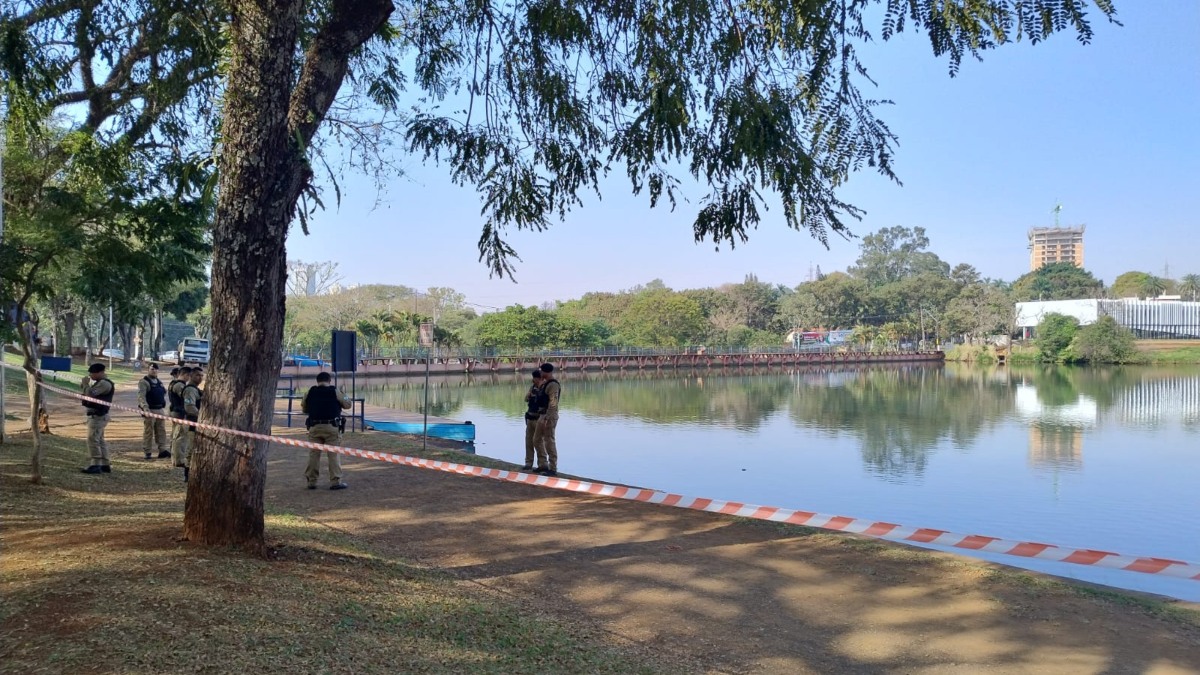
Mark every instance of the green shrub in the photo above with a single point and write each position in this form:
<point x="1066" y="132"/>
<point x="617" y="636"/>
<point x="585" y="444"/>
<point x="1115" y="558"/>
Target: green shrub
<point x="1054" y="335"/>
<point x="1103" y="342"/>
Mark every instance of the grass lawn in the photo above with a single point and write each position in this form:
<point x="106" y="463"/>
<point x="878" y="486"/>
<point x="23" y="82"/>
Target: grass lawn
<point x="95" y="580"/>
<point x="119" y="373"/>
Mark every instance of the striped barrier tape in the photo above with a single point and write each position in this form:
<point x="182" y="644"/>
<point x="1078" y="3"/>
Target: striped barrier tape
<point x="877" y="530"/>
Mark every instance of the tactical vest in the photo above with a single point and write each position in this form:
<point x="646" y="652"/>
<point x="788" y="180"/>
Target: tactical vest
<point x="199" y="399"/>
<point x="97" y="408"/>
<point x="324" y="405"/>
<point x="176" y="397"/>
<point x="543" y="399"/>
<point x="532" y="412"/>
<point x="156" y="393"/>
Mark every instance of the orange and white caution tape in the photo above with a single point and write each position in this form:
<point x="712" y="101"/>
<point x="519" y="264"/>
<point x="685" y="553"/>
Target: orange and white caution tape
<point x="877" y="530"/>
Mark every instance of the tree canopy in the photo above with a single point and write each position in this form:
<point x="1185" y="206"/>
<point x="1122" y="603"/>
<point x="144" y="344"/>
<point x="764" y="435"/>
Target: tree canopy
<point x="1057" y="281"/>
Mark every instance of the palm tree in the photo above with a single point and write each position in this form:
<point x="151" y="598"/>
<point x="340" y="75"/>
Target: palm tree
<point x="1153" y="286"/>
<point x="1190" y="285"/>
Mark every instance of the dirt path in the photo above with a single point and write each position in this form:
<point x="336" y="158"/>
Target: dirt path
<point x="743" y="596"/>
<point x="739" y="596"/>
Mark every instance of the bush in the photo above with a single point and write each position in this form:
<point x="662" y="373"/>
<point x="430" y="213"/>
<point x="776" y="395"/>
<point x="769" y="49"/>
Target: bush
<point x="1104" y="342"/>
<point x="1054" y="335"/>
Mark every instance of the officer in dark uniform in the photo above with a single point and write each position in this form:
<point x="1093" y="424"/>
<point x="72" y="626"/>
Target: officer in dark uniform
<point x="179" y="380"/>
<point x="531" y="417"/>
<point x="97" y="385"/>
<point x="192" y="396"/>
<point x="544" y="442"/>
<point x="152" y="398"/>
<point x="324" y="404"/>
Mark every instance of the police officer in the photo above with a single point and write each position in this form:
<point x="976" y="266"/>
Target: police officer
<point x="97" y="385"/>
<point x="152" y="398"/>
<point x="543" y="434"/>
<point x="324" y="404"/>
<point x="179" y="380"/>
<point x="531" y="417"/>
<point x="192" y="397"/>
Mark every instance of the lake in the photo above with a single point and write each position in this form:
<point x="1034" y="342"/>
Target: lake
<point x="1104" y="459"/>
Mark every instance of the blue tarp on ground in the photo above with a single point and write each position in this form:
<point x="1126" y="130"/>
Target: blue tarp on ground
<point x="453" y="432"/>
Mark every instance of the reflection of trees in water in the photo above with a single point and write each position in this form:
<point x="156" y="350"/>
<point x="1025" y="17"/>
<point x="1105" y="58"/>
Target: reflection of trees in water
<point x="445" y="399"/>
<point x="737" y="399"/>
<point x="901" y="415"/>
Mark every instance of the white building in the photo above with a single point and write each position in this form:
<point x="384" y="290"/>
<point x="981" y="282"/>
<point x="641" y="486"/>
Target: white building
<point x="1161" y="318"/>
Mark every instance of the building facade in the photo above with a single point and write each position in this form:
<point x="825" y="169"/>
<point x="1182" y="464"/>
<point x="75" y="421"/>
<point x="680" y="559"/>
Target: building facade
<point x="1148" y="319"/>
<point x="1055" y="244"/>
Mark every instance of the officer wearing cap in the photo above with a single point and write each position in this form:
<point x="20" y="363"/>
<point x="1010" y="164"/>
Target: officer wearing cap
<point x="324" y="403"/>
<point x="544" y="442"/>
<point x="531" y="417"/>
<point x="97" y="386"/>
<point x="191" y="396"/>
<point x="152" y="398"/>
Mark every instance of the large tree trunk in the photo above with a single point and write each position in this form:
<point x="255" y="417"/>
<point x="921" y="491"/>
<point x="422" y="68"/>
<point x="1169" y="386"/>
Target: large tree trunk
<point x="265" y="130"/>
<point x="68" y="345"/>
<point x="259" y="169"/>
<point x="89" y="338"/>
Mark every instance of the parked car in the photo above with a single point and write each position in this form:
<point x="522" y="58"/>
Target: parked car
<point x="112" y="354"/>
<point x="169" y="357"/>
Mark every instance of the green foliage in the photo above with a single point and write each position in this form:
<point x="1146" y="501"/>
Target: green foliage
<point x="1152" y="286"/>
<point x="661" y="318"/>
<point x="896" y="253"/>
<point x="1189" y="287"/>
<point x="1128" y="285"/>
<point x="755" y="303"/>
<point x="979" y="310"/>
<point x="1054" y="335"/>
<point x="98" y="228"/>
<point x="1104" y="342"/>
<point x="841" y="300"/>
<point x="535" y="328"/>
<point x="752" y="98"/>
<point x="1057" y="281"/>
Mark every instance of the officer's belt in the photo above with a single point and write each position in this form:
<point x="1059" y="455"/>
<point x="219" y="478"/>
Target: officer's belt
<point x="333" y="421"/>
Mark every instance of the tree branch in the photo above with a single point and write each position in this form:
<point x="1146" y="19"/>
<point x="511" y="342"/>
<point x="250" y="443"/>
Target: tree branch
<point x="351" y="23"/>
<point x="44" y="11"/>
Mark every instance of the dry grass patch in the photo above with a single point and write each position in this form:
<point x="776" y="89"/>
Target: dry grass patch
<point x="96" y="580"/>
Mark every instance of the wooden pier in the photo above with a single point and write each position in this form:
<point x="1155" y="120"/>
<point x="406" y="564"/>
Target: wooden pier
<point x="400" y="367"/>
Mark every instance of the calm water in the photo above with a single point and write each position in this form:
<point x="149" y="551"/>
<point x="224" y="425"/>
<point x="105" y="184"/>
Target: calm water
<point x="1103" y="459"/>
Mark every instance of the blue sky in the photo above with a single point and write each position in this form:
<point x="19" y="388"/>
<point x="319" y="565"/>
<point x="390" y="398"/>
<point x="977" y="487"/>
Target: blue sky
<point x="1109" y="130"/>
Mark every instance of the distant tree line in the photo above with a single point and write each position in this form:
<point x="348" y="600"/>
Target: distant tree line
<point x="898" y="291"/>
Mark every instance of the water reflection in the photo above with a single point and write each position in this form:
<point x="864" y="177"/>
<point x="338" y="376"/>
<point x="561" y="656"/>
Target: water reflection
<point x="898" y="417"/>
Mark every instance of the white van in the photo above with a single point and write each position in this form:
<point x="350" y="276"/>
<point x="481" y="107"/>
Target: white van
<point x="193" y="351"/>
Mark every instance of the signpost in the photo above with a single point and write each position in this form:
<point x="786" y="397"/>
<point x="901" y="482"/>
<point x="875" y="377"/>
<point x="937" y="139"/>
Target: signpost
<point x="425" y="337"/>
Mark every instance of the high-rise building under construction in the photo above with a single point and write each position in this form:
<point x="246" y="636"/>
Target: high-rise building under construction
<point x="1055" y="244"/>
